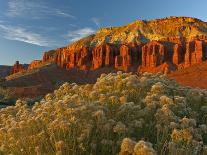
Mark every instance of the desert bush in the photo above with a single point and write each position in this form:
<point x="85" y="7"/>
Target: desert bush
<point x="6" y="96"/>
<point x="121" y="113"/>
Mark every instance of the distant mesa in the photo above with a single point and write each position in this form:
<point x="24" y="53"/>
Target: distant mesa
<point x="162" y="45"/>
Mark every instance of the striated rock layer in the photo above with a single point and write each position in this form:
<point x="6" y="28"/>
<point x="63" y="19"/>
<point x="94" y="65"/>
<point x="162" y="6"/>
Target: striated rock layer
<point x="161" y="45"/>
<point x="34" y="64"/>
<point x="154" y="56"/>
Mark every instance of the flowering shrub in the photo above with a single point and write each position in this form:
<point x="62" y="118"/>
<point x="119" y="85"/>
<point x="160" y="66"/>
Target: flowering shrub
<point x="155" y="114"/>
<point x="128" y="146"/>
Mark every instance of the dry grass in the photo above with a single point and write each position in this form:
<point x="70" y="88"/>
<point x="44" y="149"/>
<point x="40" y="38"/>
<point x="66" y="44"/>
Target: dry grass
<point x="121" y="113"/>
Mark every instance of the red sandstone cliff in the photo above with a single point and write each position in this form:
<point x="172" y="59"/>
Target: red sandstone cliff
<point x="162" y="45"/>
<point x="151" y="56"/>
<point x="34" y="64"/>
<point x="17" y="67"/>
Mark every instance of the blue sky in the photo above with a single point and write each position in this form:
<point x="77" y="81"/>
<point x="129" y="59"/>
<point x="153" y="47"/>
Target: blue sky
<point x="30" y="27"/>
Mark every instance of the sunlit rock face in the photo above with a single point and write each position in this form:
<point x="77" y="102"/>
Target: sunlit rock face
<point x="34" y="64"/>
<point x="178" y="54"/>
<point x="149" y="56"/>
<point x="195" y="52"/>
<point x="49" y="56"/>
<point x="153" y="54"/>
<point x="17" y="67"/>
<point x="160" y="45"/>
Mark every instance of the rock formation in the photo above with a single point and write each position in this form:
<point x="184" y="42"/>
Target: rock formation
<point x="153" y="54"/>
<point x="49" y="56"/>
<point x="195" y="52"/>
<point x="17" y="67"/>
<point x="34" y="64"/>
<point x="161" y="45"/>
<point x="178" y="54"/>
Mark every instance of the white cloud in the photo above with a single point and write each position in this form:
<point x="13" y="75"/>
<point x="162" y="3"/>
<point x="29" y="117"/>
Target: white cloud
<point x="35" y="9"/>
<point x="96" y="21"/>
<point x="21" y="34"/>
<point x="64" y="14"/>
<point x="78" y="34"/>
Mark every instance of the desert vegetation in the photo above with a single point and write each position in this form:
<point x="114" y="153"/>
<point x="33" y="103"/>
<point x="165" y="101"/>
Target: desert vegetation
<point x="6" y="97"/>
<point x="121" y="113"/>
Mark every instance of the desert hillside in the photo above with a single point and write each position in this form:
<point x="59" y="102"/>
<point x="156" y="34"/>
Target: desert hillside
<point x="5" y="71"/>
<point x="143" y="31"/>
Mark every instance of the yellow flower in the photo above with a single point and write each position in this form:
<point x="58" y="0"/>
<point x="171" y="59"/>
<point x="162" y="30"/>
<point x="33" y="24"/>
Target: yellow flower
<point x="144" y="148"/>
<point x="181" y="135"/>
<point x="127" y="146"/>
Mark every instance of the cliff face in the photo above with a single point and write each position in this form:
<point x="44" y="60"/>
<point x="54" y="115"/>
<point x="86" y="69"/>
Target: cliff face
<point x="195" y="52"/>
<point x="17" y="67"/>
<point x="154" y="56"/>
<point x="161" y="45"/>
<point x="49" y="56"/>
<point x="34" y="64"/>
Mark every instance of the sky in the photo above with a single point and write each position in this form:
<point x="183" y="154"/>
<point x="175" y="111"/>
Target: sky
<point x="30" y="27"/>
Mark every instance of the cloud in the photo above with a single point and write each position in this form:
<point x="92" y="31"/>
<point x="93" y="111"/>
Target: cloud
<point x="21" y="34"/>
<point x="79" y="33"/>
<point x="96" y="21"/>
<point x="35" y="9"/>
<point x="64" y="14"/>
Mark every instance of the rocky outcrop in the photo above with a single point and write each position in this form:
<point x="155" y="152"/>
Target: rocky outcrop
<point x="195" y="52"/>
<point x="153" y="54"/>
<point x="156" y="45"/>
<point x="111" y="52"/>
<point x="49" y="56"/>
<point x="98" y="55"/>
<point x="128" y="57"/>
<point x="84" y="58"/>
<point x="17" y="67"/>
<point x="161" y="45"/>
<point x="178" y="54"/>
<point x="34" y="64"/>
<point x="124" y="60"/>
<point x="68" y="58"/>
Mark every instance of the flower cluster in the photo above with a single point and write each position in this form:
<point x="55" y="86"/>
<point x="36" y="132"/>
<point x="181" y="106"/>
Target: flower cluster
<point x="97" y="118"/>
<point x="129" y="146"/>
